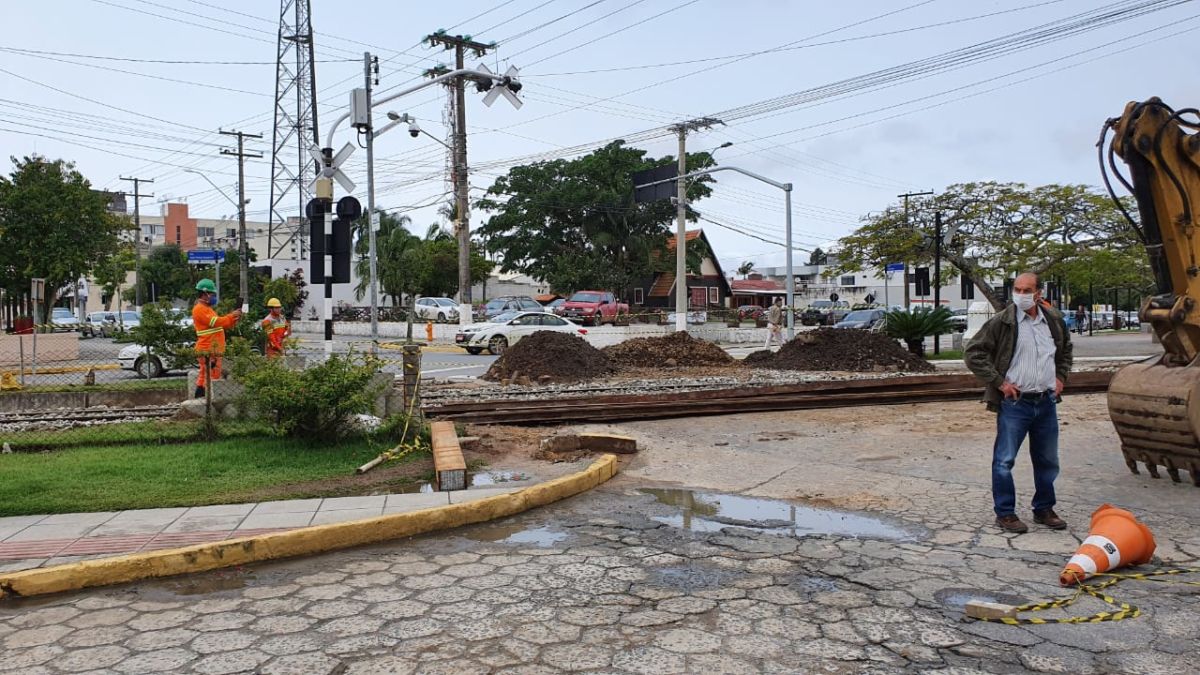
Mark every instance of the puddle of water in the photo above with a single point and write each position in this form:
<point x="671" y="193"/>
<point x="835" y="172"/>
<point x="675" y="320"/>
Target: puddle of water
<point x="710" y="512"/>
<point x="516" y="533"/>
<point x="691" y="578"/>
<point x="494" y="477"/>
<point x="957" y="598"/>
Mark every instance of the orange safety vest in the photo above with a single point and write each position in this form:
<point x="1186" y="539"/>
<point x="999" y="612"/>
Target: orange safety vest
<point x="210" y="328"/>
<point x="277" y="330"/>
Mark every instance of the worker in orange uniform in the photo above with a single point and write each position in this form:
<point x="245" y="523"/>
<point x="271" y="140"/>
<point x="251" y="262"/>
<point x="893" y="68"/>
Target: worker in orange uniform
<point x="278" y="328"/>
<point x="210" y="333"/>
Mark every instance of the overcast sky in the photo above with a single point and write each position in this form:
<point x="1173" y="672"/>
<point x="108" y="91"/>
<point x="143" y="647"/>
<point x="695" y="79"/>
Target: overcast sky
<point x="595" y="70"/>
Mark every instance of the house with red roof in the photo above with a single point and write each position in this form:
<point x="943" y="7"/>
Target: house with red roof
<point x="708" y="289"/>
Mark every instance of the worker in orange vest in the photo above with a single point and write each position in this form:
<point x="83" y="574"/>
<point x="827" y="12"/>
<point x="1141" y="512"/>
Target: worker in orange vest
<point x="278" y="328"/>
<point x="210" y="333"/>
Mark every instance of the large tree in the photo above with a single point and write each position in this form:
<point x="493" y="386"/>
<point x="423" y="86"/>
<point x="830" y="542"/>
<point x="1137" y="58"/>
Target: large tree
<point x="573" y="223"/>
<point x="52" y="226"/>
<point x="410" y="265"/>
<point x="1000" y="229"/>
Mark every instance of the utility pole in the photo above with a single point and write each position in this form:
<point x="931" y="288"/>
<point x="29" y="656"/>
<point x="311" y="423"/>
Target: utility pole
<point x="460" y="45"/>
<point x="243" y="249"/>
<point x="681" y="288"/>
<point x="137" y="241"/>
<point x="906" y="195"/>
<point x="937" y="274"/>
<point x="370" y="79"/>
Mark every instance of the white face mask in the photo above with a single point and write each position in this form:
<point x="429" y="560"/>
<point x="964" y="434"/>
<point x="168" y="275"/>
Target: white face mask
<point x="1023" y="301"/>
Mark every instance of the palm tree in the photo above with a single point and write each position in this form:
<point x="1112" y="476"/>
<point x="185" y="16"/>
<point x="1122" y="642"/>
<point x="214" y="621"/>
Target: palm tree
<point x="393" y="242"/>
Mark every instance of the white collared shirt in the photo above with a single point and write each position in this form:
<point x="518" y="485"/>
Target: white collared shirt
<point x="1032" y="367"/>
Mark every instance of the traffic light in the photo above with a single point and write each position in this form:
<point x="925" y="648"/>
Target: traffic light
<point x="315" y="210"/>
<point x="968" y="288"/>
<point x="348" y="211"/>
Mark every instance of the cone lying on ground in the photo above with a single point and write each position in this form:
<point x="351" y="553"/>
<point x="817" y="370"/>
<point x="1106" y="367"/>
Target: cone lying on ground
<point x="1115" y="539"/>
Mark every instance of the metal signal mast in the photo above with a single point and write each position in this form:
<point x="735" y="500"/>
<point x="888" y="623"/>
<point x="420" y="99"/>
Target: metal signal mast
<point x="295" y="130"/>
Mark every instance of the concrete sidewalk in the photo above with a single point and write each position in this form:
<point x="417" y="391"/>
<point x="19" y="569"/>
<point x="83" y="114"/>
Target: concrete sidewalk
<point x="27" y="542"/>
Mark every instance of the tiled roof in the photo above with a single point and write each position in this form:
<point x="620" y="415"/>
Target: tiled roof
<point x="690" y="235"/>
<point x="662" y="285"/>
<point x="755" y="285"/>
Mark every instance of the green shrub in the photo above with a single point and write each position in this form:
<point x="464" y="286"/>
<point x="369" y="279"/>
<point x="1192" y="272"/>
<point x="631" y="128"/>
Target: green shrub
<point x="913" y="327"/>
<point x="161" y="331"/>
<point x="318" y="403"/>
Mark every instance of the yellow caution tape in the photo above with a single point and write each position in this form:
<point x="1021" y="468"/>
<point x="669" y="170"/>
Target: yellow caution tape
<point x="1124" y="610"/>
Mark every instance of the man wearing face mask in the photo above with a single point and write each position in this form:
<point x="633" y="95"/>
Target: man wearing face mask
<point x="1023" y="355"/>
<point x="210" y="333"/>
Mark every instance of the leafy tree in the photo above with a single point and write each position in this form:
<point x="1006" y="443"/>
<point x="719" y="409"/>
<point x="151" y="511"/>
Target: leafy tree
<point x="54" y="226"/>
<point x="1001" y="229"/>
<point x="818" y="257"/>
<point x="746" y="268"/>
<point x="164" y="335"/>
<point x="410" y="265"/>
<point x="289" y="290"/>
<point x="574" y="224"/>
<point x="166" y="272"/>
<point x="111" y="274"/>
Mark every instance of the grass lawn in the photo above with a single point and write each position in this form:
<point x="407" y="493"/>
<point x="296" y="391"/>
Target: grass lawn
<point x="945" y="355"/>
<point x="185" y="474"/>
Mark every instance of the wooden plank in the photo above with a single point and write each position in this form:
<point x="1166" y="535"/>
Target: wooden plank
<point x="449" y="466"/>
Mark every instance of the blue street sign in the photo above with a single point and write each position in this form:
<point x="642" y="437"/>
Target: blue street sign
<point x="895" y="267"/>
<point x="205" y="257"/>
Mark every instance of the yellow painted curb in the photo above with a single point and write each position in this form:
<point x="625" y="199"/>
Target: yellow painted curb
<point x="429" y="349"/>
<point x="303" y="541"/>
<point x="59" y="370"/>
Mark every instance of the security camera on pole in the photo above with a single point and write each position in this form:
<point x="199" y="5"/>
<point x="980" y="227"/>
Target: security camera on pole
<point x="361" y="104"/>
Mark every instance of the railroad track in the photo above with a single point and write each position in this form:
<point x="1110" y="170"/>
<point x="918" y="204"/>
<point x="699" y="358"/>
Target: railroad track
<point x="89" y="414"/>
<point x="732" y="400"/>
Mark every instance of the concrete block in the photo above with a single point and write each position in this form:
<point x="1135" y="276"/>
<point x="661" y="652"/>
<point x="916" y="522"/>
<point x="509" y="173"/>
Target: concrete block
<point x="978" y="609"/>
<point x="618" y="445"/>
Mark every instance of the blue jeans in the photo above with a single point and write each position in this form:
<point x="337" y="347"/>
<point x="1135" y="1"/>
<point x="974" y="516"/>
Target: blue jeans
<point x="1039" y="420"/>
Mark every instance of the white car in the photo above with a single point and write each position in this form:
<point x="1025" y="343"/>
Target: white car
<point x="143" y="361"/>
<point x="436" y="309"/>
<point x="506" y="329"/>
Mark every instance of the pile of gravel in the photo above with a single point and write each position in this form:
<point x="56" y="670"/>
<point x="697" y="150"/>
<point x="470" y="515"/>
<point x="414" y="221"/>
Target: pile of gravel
<point x="558" y="356"/>
<point x="841" y="349"/>
<point x="666" y="351"/>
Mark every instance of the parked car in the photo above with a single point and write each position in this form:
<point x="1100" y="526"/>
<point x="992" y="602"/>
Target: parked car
<point x="128" y="319"/>
<point x="505" y="330"/>
<point x="436" y="309"/>
<point x="745" y="312"/>
<point x="824" y="313"/>
<point x="146" y="362"/>
<point x="864" y="319"/>
<point x="592" y="308"/>
<point x="958" y="317"/>
<point x="555" y="306"/>
<point x="100" y="324"/>
<point x="63" y="319"/>
<point x="511" y="303"/>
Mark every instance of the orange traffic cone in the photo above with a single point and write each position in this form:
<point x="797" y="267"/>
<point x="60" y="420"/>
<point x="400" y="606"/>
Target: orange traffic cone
<point x="1115" y="539"/>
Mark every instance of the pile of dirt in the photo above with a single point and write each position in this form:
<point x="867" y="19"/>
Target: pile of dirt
<point x="841" y="349"/>
<point x="668" y="351"/>
<point x="547" y="355"/>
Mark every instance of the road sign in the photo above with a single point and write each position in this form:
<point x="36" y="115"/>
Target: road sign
<point x="205" y="257"/>
<point x="508" y="89"/>
<point x="654" y="184"/>
<point x="37" y="290"/>
<point x="895" y="267"/>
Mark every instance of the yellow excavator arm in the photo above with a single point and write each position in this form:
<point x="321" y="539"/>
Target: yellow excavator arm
<point x="1155" y="405"/>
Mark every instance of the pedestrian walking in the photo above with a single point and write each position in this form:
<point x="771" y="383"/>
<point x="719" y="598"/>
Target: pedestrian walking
<point x="1023" y="355"/>
<point x="210" y="333"/>
<point x="1080" y="319"/>
<point x="277" y="327"/>
<point x="775" y="323"/>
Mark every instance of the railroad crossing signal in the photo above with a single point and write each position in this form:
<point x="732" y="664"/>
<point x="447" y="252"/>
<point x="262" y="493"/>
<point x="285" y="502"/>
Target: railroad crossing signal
<point x="331" y="170"/>
<point x="508" y="88"/>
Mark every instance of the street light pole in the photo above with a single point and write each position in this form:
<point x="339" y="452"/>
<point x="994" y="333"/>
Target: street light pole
<point x="368" y="65"/>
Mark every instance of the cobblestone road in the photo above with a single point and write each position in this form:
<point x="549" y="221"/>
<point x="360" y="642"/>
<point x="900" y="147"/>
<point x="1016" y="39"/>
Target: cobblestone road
<point x="624" y="580"/>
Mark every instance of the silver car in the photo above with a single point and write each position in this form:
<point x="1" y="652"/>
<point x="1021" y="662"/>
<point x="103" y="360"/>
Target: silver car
<point x="436" y="309"/>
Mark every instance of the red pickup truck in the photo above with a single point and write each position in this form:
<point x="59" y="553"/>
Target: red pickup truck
<point x="592" y="308"/>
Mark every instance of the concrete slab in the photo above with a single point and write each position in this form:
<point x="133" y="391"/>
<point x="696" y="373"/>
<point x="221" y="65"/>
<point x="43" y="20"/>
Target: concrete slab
<point x="165" y="516"/>
<point x="415" y="500"/>
<point x="7" y="531"/>
<point x="97" y="518"/>
<point x="343" y="515"/>
<point x="356" y="503"/>
<point x="129" y="527"/>
<point x="220" y="510"/>
<point x="18" y="565"/>
<point x="42" y="532"/>
<point x="265" y="521"/>
<point x="20" y="521"/>
<point x="187" y="523"/>
<point x="287" y="506"/>
<point x="461" y="496"/>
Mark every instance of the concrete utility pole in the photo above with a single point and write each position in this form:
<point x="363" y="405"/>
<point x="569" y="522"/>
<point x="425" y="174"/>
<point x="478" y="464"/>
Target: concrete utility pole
<point x="243" y="248"/>
<point x="371" y="78"/>
<point x="461" y="45"/>
<point x="906" y="195"/>
<point x="137" y="241"/>
<point x="681" y="287"/>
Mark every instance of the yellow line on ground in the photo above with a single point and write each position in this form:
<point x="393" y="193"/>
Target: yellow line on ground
<point x="59" y="370"/>
<point x="302" y="541"/>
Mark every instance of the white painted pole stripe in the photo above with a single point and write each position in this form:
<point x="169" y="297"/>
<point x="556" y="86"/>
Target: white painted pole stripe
<point x="1110" y="549"/>
<point x="1084" y="562"/>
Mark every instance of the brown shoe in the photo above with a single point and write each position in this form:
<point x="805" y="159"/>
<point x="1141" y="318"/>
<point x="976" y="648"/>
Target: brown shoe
<point x="1050" y="519"/>
<point x="1011" y="524"/>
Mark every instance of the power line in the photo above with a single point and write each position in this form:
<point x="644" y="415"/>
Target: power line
<point x="188" y="62"/>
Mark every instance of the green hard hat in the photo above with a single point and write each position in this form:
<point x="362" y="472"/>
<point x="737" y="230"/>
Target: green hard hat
<point x="206" y="285"/>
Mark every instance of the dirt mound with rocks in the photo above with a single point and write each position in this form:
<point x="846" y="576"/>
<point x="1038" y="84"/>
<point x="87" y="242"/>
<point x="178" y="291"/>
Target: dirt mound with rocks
<point x="841" y="349"/>
<point x="550" y="355"/>
<point x="668" y="351"/>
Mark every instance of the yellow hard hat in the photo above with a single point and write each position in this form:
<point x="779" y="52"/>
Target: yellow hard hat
<point x="274" y="302"/>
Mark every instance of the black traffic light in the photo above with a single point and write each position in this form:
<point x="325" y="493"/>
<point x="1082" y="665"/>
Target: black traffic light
<point x="968" y="288"/>
<point x="340" y="242"/>
<point x="315" y="210"/>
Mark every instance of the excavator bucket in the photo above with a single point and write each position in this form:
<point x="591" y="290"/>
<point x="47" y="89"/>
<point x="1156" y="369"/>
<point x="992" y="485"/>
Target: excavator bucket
<point x="1156" y="410"/>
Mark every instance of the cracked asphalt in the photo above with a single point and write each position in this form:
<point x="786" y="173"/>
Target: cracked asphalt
<point x="738" y="558"/>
